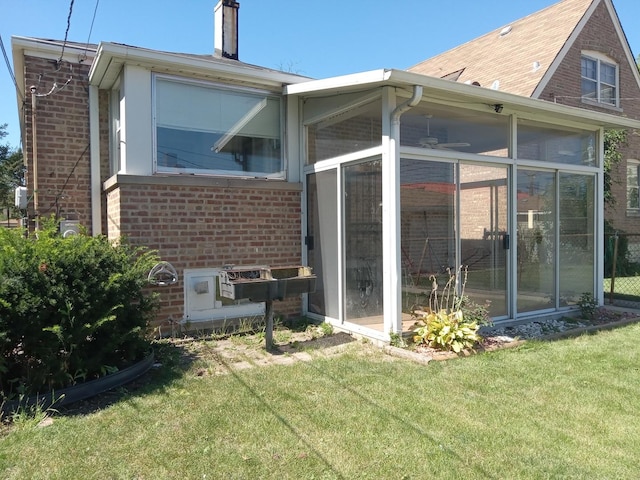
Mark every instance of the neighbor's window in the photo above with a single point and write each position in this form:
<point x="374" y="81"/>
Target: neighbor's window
<point x="201" y="128"/>
<point x="599" y="80"/>
<point x="633" y="185"/>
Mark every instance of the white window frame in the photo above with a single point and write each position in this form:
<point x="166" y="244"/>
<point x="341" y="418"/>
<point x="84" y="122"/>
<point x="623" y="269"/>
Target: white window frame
<point x="600" y="60"/>
<point x="116" y="100"/>
<point x="281" y="175"/>
<point x="633" y="164"/>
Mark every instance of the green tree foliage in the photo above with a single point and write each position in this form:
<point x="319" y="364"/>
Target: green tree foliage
<point x="11" y="171"/>
<point x="614" y="140"/>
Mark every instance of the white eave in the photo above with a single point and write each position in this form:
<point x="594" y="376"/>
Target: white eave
<point x="111" y="57"/>
<point x="445" y="91"/>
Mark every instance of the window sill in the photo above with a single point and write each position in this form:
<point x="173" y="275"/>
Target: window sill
<point x="199" y="181"/>
<point x="606" y="106"/>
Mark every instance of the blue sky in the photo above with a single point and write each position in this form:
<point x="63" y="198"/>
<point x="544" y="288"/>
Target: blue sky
<point x="317" y="38"/>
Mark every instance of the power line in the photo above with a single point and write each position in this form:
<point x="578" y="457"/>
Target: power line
<point x="66" y="33"/>
<point x="13" y="77"/>
<point x="95" y="10"/>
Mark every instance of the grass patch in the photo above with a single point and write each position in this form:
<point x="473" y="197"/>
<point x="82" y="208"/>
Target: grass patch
<point x="628" y="287"/>
<point x="564" y="409"/>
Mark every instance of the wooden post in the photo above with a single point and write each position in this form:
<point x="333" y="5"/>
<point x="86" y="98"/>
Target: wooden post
<point x="268" y="333"/>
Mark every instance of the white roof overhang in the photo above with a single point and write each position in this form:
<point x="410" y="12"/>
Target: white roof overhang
<point x="460" y="94"/>
<point x="111" y="57"/>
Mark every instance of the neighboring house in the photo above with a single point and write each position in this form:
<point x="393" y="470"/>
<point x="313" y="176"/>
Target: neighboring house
<point x="573" y="53"/>
<point x="376" y="180"/>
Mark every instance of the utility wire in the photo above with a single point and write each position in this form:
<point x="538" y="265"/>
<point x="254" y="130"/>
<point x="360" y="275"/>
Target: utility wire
<point x="95" y="10"/>
<point x="66" y="33"/>
<point x="13" y="77"/>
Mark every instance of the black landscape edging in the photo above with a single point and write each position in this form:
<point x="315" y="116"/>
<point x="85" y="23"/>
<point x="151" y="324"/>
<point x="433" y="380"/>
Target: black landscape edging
<point x="84" y="390"/>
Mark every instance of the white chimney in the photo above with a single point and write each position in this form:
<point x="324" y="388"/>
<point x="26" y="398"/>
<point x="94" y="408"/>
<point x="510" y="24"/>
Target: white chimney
<point x="225" y="29"/>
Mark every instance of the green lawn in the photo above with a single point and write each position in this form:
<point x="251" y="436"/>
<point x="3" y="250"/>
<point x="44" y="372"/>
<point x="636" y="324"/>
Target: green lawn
<point x="564" y="409"/>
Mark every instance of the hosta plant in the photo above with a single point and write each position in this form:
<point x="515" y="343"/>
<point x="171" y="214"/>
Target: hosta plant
<point x="442" y="323"/>
<point x="446" y="331"/>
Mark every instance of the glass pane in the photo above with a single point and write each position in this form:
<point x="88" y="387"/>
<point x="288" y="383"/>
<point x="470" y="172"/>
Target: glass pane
<point x="608" y="94"/>
<point x="483" y="234"/>
<point x="536" y="240"/>
<point x="589" y="68"/>
<point x="322" y="241"/>
<point x="363" y="243"/>
<point x="550" y="143"/>
<point x="203" y="129"/>
<point x="607" y="73"/>
<point x="346" y="130"/>
<point x="434" y="127"/>
<point x="427" y="219"/>
<point x="577" y="229"/>
<point x="589" y="89"/>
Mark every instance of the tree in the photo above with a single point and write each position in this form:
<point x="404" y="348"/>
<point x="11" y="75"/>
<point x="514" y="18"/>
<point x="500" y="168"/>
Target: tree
<point x="614" y="140"/>
<point x="11" y="171"/>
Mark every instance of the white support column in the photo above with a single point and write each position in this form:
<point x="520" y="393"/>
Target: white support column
<point x="94" y="155"/>
<point x="391" y="269"/>
<point x="599" y="240"/>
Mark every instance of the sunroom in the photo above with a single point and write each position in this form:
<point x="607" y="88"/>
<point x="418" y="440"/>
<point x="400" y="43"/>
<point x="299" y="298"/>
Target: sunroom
<point x="408" y="178"/>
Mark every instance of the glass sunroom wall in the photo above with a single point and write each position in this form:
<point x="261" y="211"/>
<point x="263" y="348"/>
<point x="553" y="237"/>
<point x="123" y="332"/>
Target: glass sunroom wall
<point x="345" y="249"/>
<point x="439" y="128"/>
<point x="577" y="237"/>
<point x="449" y="208"/>
<point x="342" y="124"/>
<point x="551" y="143"/>
<point x="427" y="223"/>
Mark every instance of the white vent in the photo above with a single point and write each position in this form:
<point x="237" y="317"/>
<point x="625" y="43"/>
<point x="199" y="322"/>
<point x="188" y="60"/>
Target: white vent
<point x="506" y="30"/>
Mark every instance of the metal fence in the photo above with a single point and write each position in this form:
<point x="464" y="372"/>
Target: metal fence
<point x="622" y="269"/>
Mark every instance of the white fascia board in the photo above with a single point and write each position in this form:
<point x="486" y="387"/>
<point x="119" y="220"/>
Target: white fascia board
<point x="110" y="54"/>
<point x="445" y="91"/>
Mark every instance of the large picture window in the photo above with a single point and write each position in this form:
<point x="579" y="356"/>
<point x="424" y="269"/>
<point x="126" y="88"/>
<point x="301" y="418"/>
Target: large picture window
<point x="200" y="128"/>
<point x="599" y="80"/>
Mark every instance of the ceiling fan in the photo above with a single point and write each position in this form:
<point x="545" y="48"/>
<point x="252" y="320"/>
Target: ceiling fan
<point x="432" y="142"/>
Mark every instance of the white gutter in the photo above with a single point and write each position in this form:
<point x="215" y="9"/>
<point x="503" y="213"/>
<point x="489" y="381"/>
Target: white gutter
<point x="444" y="91"/>
<point x="403" y="107"/>
<point x="94" y="155"/>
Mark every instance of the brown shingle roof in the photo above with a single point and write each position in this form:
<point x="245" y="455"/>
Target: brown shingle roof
<point x="518" y="59"/>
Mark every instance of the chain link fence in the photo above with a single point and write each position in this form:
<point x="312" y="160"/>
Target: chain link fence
<point x="622" y="270"/>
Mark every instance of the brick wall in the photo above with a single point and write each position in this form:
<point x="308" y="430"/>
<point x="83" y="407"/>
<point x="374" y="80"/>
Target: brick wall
<point x="207" y="223"/>
<point x="565" y="87"/>
<point x="62" y="136"/>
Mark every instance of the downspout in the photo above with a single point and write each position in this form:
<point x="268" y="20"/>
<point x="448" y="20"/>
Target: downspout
<point x="402" y="108"/>
<point x="391" y="217"/>
<point x="34" y="154"/>
<point x="94" y="154"/>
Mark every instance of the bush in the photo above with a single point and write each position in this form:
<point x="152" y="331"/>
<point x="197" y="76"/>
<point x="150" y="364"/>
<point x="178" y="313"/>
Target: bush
<point x="452" y="320"/>
<point x="71" y="309"/>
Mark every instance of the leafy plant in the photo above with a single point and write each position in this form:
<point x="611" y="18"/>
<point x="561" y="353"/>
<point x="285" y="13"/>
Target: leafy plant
<point x="588" y="305"/>
<point x="443" y="325"/>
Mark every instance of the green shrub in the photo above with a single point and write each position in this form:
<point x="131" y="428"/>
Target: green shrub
<point x="71" y="309"/>
<point x="452" y="320"/>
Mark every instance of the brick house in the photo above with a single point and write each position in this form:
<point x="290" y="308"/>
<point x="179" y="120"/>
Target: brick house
<point x="573" y="53"/>
<point x="376" y="180"/>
